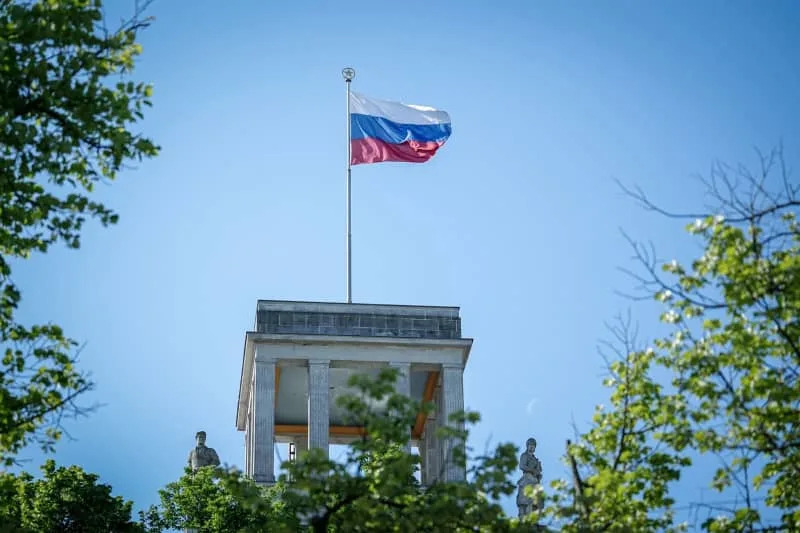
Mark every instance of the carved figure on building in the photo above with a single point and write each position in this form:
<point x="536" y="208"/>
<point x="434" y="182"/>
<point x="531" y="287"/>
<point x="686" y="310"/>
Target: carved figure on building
<point x="202" y="455"/>
<point x="531" y="476"/>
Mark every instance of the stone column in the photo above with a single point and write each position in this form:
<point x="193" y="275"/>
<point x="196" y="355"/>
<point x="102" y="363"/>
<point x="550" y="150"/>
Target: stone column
<point x="263" y="457"/>
<point x="403" y="386"/>
<point x="433" y="448"/>
<point x="423" y="472"/>
<point x="432" y="465"/>
<point x="251" y="420"/>
<point x="452" y="402"/>
<point x="247" y="448"/>
<point x="318" y="405"/>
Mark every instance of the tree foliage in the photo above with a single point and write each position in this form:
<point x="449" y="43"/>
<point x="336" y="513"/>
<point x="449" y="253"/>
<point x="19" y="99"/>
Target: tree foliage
<point x="372" y="489"/>
<point x="210" y="500"/>
<point x="621" y="471"/>
<point x="66" y="115"/>
<point x="67" y="500"/>
<point x="732" y="362"/>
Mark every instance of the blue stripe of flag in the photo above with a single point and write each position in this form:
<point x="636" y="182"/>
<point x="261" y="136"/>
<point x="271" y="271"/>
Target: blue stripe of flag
<point x="369" y="126"/>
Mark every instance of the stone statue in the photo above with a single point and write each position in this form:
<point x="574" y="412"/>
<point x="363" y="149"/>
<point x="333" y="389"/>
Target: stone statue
<point x="202" y="455"/>
<point x="531" y="476"/>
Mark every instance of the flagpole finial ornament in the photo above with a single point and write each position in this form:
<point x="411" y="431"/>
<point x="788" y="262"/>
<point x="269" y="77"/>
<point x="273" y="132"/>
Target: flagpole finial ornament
<point x="348" y="74"/>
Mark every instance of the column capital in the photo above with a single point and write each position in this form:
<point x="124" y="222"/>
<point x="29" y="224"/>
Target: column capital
<point x="452" y="366"/>
<point x="262" y="354"/>
<point x="325" y="362"/>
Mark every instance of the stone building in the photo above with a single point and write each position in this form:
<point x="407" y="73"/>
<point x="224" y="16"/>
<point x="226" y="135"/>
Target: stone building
<point x="300" y="355"/>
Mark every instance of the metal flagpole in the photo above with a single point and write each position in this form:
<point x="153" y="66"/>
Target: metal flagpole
<point x="349" y="74"/>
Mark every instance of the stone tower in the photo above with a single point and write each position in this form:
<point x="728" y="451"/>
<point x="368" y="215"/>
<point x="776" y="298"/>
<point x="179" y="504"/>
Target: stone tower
<point x="299" y="357"/>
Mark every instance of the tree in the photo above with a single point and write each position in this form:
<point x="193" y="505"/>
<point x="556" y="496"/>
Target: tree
<point x="373" y="489"/>
<point x="209" y="500"/>
<point x="621" y="470"/>
<point x="732" y="362"/>
<point x="67" y="500"/>
<point x="65" y="125"/>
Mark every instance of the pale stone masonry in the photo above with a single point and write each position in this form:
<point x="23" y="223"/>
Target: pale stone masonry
<point x="318" y="404"/>
<point x="264" y="420"/>
<point x="403" y="383"/>
<point x="298" y="358"/>
<point x="452" y="403"/>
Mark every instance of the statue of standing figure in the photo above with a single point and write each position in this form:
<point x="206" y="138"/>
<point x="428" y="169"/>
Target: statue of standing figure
<point x="202" y="455"/>
<point x="531" y="476"/>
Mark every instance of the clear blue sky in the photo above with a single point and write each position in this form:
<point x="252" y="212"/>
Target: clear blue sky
<point x="516" y="220"/>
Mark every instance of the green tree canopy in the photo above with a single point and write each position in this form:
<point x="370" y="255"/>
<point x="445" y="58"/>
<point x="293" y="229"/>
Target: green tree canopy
<point x="67" y="500"/>
<point x="67" y="110"/>
<point x="212" y="500"/>
<point x="723" y="384"/>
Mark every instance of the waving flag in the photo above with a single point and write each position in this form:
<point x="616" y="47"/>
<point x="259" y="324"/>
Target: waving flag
<point x="391" y="131"/>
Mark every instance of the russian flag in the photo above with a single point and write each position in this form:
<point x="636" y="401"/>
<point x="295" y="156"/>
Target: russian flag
<point x="391" y="131"/>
